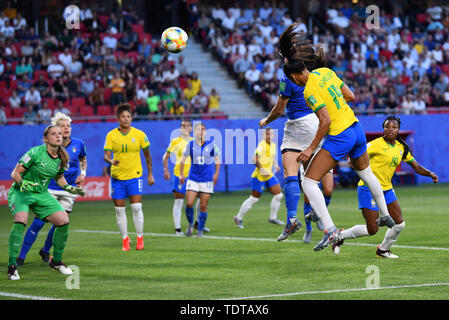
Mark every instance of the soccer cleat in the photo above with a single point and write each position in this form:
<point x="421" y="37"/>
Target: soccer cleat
<point x="385" y="254"/>
<point x="12" y="273"/>
<point x="290" y="229"/>
<point x="44" y="255"/>
<point x="238" y="222"/>
<point x="139" y="245"/>
<point x="313" y="217"/>
<point x="189" y="230"/>
<point x="179" y="233"/>
<point x="61" y="267"/>
<point x="125" y="244"/>
<point x="276" y="221"/>
<point x="307" y="236"/>
<point x="20" y="261"/>
<point x="330" y="236"/>
<point x="199" y="234"/>
<point x="205" y="229"/>
<point x="336" y="246"/>
<point x="385" y="221"/>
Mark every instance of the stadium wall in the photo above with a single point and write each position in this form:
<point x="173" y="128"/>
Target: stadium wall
<point x="429" y="141"/>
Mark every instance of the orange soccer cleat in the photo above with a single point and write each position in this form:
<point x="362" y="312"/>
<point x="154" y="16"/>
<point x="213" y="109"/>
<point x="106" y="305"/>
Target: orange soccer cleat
<point x="125" y="244"/>
<point x="139" y="245"/>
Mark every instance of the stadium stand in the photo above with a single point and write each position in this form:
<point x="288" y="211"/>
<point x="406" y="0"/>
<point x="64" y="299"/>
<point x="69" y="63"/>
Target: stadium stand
<point x="401" y="67"/>
<point x="73" y="71"/>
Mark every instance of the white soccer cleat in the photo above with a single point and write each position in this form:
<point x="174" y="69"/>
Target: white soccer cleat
<point x="385" y="254"/>
<point x="12" y="273"/>
<point x="61" y="267"/>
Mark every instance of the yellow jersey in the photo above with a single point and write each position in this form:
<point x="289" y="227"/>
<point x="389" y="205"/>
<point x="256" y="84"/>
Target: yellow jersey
<point x="266" y="154"/>
<point x="214" y="102"/>
<point x="384" y="159"/>
<point x="323" y="88"/>
<point x="177" y="147"/>
<point x="126" y="149"/>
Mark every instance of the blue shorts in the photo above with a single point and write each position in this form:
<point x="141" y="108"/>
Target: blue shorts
<point x="366" y="199"/>
<point x="259" y="186"/>
<point x="177" y="186"/>
<point x="122" y="189"/>
<point x="351" y="142"/>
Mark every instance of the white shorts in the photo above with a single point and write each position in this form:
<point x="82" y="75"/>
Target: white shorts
<point x="204" y="187"/>
<point x="299" y="133"/>
<point x="66" y="199"/>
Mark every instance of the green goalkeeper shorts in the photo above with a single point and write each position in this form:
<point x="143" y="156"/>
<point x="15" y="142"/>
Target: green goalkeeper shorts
<point x="42" y="204"/>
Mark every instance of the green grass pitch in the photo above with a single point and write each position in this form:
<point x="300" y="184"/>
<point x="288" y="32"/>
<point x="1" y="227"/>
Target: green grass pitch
<point x="240" y="263"/>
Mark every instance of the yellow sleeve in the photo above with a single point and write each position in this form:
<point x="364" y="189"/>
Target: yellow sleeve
<point x="171" y="146"/>
<point x="108" y="142"/>
<point x="144" y="143"/>
<point x="313" y="97"/>
<point x="371" y="148"/>
<point x="409" y="158"/>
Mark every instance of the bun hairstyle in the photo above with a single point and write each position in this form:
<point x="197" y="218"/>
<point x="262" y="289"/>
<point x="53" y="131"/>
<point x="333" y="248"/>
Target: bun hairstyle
<point x="298" y="52"/>
<point x="402" y="141"/>
<point x="62" y="153"/>
<point x="122" y="108"/>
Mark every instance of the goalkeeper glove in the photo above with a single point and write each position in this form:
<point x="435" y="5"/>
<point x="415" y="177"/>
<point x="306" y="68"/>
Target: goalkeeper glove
<point x="74" y="189"/>
<point x="26" y="185"/>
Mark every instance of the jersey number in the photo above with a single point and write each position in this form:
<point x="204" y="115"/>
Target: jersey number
<point x="124" y="148"/>
<point x="335" y="93"/>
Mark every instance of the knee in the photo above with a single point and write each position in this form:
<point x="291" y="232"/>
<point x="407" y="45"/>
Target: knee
<point x="279" y="196"/>
<point x="372" y="229"/>
<point x="399" y="227"/>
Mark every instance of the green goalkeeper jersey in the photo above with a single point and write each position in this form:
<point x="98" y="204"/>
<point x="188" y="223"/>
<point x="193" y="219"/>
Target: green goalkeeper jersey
<point x="40" y="167"/>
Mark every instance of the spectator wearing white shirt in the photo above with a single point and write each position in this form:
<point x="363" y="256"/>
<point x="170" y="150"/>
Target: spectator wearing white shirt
<point x="359" y="65"/>
<point x="235" y="10"/>
<point x="301" y="25"/>
<point x="265" y="11"/>
<point x="228" y="22"/>
<point x="19" y="22"/>
<point x="143" y="93"/>
<point x="109" y="41"/>
<point x="14" y="100"/>
<point x="33" y="98"/>
<point x="44" y="113"/>
<point x="437" y="53"/>
<point x="340" y="21"/>
<point x="251" y="77"/>
<point x="265" y="28"/>
<point x="65" y="57"/>
<point x="170" y="75"/>
<point x="55" y="69"/>
<point x="7" y="30"/>
<point x="218" y="13"/>
<point x="3" y="118"/>
<point x="85" y="13"/>
<point x="408" y="105"/>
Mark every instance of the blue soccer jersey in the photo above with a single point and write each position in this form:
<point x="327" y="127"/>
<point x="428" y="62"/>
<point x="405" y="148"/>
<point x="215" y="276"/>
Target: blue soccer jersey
<point x="296" y="106"/>
<point x="76" y="150"/>
<point x="202" y="158"/>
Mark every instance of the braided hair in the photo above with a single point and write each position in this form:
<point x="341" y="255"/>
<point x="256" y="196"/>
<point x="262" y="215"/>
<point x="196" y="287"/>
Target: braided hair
<point x="402" y="141"/>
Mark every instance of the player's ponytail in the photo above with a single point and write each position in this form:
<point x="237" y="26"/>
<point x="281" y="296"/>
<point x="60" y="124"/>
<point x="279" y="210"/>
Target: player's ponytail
<point x="402" y="141"/>
<point x="298" y="52"/>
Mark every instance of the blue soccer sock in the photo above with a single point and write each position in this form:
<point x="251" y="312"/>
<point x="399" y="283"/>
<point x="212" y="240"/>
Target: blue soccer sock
<point x="327" y="200"/>
<point x="189" y="214"/>
<point x="292" y="195"/>
<point x="307" y="209"/>
<point x="31" y="236"/>
<point x="202" y="216"/>
<point x="49" y="241"/>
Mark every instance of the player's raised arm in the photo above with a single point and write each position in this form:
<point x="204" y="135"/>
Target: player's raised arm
<point x="276" y="112"/>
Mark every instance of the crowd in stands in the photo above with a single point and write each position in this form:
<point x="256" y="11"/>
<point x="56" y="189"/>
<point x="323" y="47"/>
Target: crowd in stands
<point x="87" y="72"/>
<point x="399" y="66"/>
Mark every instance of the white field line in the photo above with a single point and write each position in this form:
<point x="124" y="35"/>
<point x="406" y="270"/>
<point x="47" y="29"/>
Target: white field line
<point x="257" y="239"/>
<point x="301" y="293"/>
<point x="25" y="296"/>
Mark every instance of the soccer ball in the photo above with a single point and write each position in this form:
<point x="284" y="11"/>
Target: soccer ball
<point x="174" y="39"/>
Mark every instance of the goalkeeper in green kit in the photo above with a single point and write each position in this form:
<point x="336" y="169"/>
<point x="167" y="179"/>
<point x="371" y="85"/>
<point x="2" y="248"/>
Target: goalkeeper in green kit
<point x="31" y="176"/>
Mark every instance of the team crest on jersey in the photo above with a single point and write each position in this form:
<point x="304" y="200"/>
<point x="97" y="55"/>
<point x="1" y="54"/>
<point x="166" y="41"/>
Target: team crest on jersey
<point x="133" y="140"/>
<point x="400" y="152"/>
<point x="43" y="164"/>
<point x="74" y="149"/>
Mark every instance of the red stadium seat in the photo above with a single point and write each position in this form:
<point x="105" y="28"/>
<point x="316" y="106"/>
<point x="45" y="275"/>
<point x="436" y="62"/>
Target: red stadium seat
<point x="103" y="18"/>
<point x="104" y="111"/>
<point x="9" y="112"/>
<point x="78" y="101"/>
<point x="86" y="111"/>
<point x="19" y="112"/>
<point x="421" y="18"/>
<point x="143" y="36"/>
<point x="137" y="28"/>
<point x="106" y="94"/>
<point x="2" y="85"/>
<point x="74" y="110"/>
<point x="51" y="103"/>
<point x="37" y="73"/>
<point x="445" y="69"/>
<point x="134" y="55"/>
